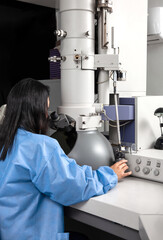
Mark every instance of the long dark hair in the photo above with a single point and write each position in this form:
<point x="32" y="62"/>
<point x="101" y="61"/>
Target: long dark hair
<point x="26" y="108"/>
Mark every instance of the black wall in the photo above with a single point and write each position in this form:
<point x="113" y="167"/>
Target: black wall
<point x="26" y="36"/>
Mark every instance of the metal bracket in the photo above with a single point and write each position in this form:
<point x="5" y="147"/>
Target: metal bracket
<point x="86" y="122"/>
<point x="106" y="62"/>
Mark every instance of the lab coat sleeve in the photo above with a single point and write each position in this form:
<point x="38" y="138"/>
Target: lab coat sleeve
<point x="67" y="183"/>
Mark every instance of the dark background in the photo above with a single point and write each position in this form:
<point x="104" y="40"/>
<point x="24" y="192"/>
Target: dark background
<point x="26" y="36"/>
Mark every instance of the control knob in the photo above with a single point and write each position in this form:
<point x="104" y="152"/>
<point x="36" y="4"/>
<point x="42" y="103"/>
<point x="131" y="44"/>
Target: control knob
<point x="146" y="170"/>
<point x="138" y="160"/>
<point x="137" y="169"/>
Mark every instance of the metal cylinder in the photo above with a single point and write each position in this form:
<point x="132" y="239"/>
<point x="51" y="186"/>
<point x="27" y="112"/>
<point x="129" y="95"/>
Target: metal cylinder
<point x="77" y="85"/>
<point x="103" y="80"/>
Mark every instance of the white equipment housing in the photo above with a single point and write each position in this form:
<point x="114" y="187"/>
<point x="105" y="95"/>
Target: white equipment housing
<point x="155" y="25"/>
<point x="147" y="164"/>
<point x="147" y="128"/>
<point x="77" y="85"/>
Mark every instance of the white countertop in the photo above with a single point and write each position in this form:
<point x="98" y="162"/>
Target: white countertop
<point x="151" y="227"/>
<point x="124" y="204"/>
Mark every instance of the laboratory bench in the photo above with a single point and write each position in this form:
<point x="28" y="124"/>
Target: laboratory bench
<point x="131" y="210"/>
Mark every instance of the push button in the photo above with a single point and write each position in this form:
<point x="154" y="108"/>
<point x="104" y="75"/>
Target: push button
<point x="158" y="164"/>
<point x="156" y="172"/>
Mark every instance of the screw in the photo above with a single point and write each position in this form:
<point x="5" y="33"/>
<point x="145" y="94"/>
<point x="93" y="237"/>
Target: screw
<point x="87" y="34"/>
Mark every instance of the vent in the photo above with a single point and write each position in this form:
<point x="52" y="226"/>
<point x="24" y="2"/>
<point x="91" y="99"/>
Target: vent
<point x="154" y="38"/>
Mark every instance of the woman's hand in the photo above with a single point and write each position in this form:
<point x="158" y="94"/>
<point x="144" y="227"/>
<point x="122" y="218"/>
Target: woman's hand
<point x="120" y="167"/>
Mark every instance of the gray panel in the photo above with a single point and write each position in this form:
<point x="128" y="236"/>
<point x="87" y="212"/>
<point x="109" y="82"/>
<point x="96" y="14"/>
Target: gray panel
<point x="151" y="227"/>
<point x="102" y="224"/>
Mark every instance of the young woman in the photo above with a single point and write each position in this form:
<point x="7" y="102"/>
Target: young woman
<point x="36" y="177"/>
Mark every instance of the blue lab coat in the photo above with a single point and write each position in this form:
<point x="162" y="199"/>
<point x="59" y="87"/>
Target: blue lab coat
<point x="36" y="180"/>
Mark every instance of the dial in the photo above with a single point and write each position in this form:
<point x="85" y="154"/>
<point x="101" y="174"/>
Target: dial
<point x="146" y="170"/>
<point x="138" y="160"/>
<point x="137" y="169"/>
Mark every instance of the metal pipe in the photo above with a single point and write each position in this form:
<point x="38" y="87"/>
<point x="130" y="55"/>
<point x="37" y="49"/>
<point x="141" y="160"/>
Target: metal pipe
<point x="116" y="110"/>
<point x="105" y="33"/>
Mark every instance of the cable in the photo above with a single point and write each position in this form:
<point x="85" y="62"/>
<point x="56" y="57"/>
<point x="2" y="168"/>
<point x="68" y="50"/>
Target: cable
<point x="109" y="119"/>
<point x="121" y="125"/>
<point x="102" y="82"/>
<point x="110" y="76"/>
<point x="104" y="112"/>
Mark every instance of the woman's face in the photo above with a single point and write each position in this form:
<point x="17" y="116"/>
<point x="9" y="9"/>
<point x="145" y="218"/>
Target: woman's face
<point x="48" y="104"/>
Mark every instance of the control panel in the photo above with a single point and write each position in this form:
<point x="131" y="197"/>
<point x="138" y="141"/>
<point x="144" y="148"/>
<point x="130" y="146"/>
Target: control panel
<point x="146" y="164"/>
